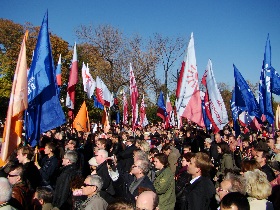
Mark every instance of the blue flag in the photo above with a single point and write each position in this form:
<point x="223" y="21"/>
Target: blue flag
<point x="235" y="110"/>
<point x="44" y="109"/>
<point x="97" y="104"/>
<point x="275" y="81"/>
<point x="205" y="118"/>
<point x="265" y="98"/>
<point x="161" y="112"/>
<point x="244" y="97"/>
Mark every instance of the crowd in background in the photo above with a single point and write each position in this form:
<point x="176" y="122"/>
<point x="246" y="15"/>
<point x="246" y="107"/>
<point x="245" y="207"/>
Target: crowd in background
<point x="151" y="168"/>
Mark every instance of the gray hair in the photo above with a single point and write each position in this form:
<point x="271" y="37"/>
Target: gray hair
<point x="103" y="152"/>
<point x="96" y="180"/>
<point x="6" y="190"/>
<point x="238" y="183"/>
<point x="144" y="166"/>
<point x="141" y="155"/>
<point x="72" y="156"/>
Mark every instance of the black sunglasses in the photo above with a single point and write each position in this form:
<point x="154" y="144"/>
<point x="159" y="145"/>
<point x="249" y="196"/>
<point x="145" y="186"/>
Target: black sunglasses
<point x="86" y="185"/>
<point x="12" y="175"/>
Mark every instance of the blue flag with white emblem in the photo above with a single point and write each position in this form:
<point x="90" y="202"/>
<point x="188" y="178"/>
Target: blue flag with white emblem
<point x="44" y="109"/>
<point x="266" y="80"/>
<point x="244" y="97"/>
<point x="235" y="110"/>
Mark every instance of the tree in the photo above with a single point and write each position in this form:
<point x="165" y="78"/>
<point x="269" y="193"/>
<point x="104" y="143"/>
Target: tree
<point x="168" y="51"/>
<point x="226" y="94"/>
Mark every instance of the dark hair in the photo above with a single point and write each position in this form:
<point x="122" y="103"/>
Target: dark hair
<point x="166" y="147"/>
<point x="249" y="165"/>
<point x="52" y="146"/>
<point x="237" y="199"/>
<point x="154" y="150"/>
<point x="26" y="150"/>
<point x="188" y="156"/>
<point x="163" y="159"/>
<point x="45" y="193"/>
<point x="224" y="147"/>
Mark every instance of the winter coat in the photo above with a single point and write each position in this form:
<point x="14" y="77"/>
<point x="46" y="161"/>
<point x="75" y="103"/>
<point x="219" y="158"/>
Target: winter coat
<point x="165" y="188"/>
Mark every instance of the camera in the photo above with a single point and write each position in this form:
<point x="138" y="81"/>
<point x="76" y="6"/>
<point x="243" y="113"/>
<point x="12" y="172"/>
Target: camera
<point x="111" y="164"/>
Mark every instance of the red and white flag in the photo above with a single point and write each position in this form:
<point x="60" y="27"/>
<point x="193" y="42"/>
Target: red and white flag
<point x="168" y="110"/>
<point x="214" y="104"/>
<point x="73" y="80"/>
<point x="133" y="96"/>
<point x="103" y="95"/>
<point x="88" y="81"/>
<point x="125" y="109"/>
<point x="188" y="94"/>
<point x="245" y="119"/>
<point x="143" y="117"/>
<point x="18" y="103"/>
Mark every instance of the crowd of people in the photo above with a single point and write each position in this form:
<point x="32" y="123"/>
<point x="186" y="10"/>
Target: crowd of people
<point x="149" y="168"/>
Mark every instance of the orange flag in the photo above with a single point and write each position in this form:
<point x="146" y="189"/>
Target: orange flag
<point x="81" y="122"/>
<point x="18" y="103"/>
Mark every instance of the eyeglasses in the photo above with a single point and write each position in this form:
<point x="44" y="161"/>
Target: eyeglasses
<point x="221" y="190"/>
<point x="86" y="185"/>
<point x="12" y="175"/>
<point x="133" y="166"/>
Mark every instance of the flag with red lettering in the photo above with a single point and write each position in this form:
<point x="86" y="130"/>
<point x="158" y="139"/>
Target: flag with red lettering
<point x="88" y="81"/>
<point x="103" y="95"/>
<point x="214" y="104"/>
<point x="133" y="96"/>
<point x="188" y="95"/>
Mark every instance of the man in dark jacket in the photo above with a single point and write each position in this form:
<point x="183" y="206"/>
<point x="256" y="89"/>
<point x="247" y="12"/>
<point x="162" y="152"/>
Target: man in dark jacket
<point x="63" y="193"/>
<point x="200" y="193"/>
<point x="125" y="158"/>
<point x="107" y="192"/>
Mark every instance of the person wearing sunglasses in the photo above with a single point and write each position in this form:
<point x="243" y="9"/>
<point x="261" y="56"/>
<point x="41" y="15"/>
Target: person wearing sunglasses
<point x="91" y="188"/>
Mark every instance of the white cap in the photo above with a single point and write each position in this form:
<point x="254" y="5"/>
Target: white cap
<point x="93" y="162"/>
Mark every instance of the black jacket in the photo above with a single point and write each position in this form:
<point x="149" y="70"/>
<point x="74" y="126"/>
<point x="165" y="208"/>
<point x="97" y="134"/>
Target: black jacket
<point x="125" y="158"/>
<point x="63" y="193"/>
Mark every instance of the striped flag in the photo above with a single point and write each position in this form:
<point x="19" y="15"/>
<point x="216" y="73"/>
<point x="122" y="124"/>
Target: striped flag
<point x="133" y="96"/>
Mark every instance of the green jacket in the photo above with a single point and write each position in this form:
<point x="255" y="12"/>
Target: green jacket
<point x="165" y="188"/>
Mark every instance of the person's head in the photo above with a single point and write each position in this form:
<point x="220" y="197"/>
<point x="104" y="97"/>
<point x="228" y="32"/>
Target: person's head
<point x="130" y="141"/>
<point x="49" y="148"/>
<point x="72" y="144"/>
<point x="249" y="165"/>
<point x="92" y="163"/>
<point x="187" y="149"/>
<point x="218" y="138"/>
<point x="235" y="201"/>
<point x="101" y="143"/>
<point x="24" y="154"/>
<point x="271" y="143"/>
<point x="245" y="143"/>
<point x="140" y="168"/>
<point x="143" y="145"/>
<point x="231" y="183"/>
<point x="15" y="174"/>
<point x="160" y="161"/>
<point x="139" y="155"/>
<point x="257" y="185"/>
<point x="70" y="157"/>
<point x="43" y="195"/>
<point x="223" y="148"/>
<point x="147" y="200"/>
<point x="92" y="185"/>
<point x="6" y="190"/>
<point x="100" y="156"/>
<point x="186" y="158"/>
<point x="200" y="165"/>
<point x="207" y="143"/>
<point x="166" y="149"/>
<point x="262" y="157"/>
<point x="120" y="205"/>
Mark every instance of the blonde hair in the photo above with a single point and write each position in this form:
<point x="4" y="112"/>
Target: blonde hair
<point x="257" y="185"/>
<point x="143" y="145"/>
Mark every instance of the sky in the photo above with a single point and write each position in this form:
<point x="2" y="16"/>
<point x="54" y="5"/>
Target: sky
<point x="227" y="32"/>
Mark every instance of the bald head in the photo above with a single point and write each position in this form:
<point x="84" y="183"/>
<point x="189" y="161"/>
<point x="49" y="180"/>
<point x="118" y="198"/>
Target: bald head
<point x="147" y="200"/>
